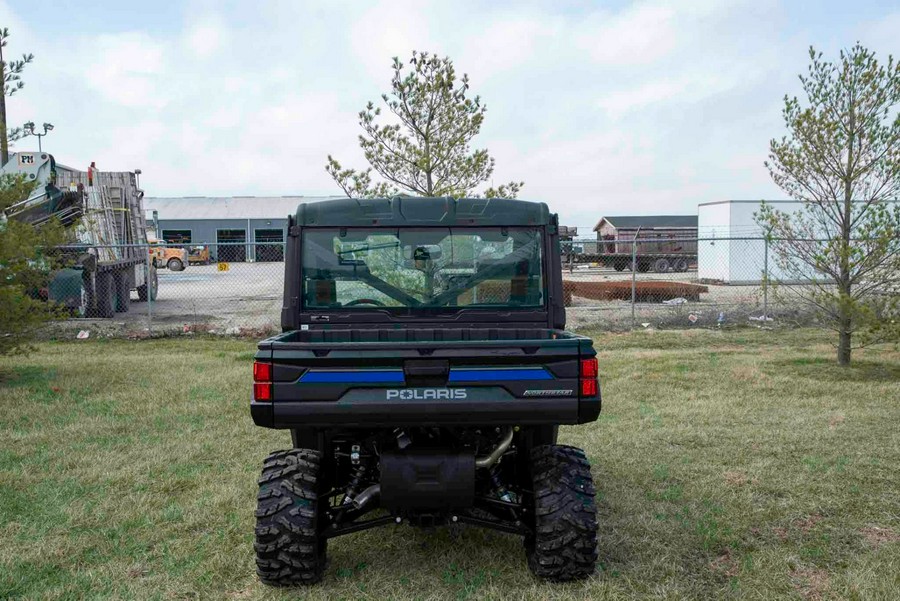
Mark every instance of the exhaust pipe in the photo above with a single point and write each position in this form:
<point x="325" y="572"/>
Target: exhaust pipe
<point x="489" y="460"/>
<point x="367" y="496"/>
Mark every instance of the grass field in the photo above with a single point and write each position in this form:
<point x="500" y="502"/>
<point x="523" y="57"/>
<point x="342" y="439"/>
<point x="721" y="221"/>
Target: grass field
<point x="728" y="464"/>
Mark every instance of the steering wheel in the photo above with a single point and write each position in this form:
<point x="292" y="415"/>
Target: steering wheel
<point x="364" y="301"/>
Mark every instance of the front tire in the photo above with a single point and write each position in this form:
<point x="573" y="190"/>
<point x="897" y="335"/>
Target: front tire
<point x="175" y="265"/>
<point x="290" y="548"/>
<point x="564" y="544"/>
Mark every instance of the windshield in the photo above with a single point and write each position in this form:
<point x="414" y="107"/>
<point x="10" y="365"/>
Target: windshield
<point x="421" y="268"/>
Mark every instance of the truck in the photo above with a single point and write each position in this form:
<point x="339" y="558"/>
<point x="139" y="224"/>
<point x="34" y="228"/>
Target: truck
<point x="165" y="256"/>
<point x="423" y="371"/>
<point x="106" y="258"/>
<point x="198" y="254"/>
<point x="658" y="261"/>
<point x="659" y="252"/>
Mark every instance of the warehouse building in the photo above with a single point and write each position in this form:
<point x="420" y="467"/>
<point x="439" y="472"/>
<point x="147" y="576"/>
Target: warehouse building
<point x="732" y="249"/>
<point x="236" y="228"/>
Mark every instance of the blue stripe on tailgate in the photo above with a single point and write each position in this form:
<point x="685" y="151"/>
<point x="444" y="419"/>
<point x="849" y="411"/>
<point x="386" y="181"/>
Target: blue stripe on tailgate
<point x="511" y="373"/>
<point x="353" y="377"/>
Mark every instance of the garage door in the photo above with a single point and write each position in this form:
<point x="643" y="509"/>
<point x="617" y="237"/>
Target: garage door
<point x="232" y="246"/>
<point x="269" y="245"/>
<point x="177" y="237"/>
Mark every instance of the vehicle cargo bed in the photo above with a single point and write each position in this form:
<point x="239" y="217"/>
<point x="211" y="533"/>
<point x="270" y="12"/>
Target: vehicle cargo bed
<point x="342" y="377"/>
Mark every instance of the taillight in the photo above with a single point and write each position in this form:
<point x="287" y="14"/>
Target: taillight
<point x="262" y="391"/>
<point x="589" y="388"/>
<point x="587" y="372"/>
<point x="589" y="368"/>
<point x="262" y="381"/>
<point x="262" y="372"/>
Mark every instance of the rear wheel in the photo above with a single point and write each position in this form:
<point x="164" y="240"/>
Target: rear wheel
<point x="123" y="291"/>
<point x="106" y="294"/>
<point x="290" y="548"/>
<point x="661" y="266"/>
<point x="150" y="288"/>
<point x="564" y="544"/>
<point x="680" y="265"/>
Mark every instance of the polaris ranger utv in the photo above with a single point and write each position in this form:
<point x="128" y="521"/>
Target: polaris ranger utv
<point x="423" y="372"/>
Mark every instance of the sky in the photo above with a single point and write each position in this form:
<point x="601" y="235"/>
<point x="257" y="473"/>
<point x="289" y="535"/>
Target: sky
<point x="601" y="108"/>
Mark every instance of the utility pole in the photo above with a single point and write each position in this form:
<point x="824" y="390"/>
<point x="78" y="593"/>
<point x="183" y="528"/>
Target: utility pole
<point x="28" y="130"/>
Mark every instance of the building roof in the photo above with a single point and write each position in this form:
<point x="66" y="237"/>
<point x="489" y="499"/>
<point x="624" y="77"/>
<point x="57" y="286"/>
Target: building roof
<point x="649" y="221"/>
<point x="756" y="202"/>
<point x="227" y="207"/>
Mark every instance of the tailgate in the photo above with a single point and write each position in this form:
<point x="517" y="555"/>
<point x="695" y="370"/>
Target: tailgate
<point x="427" y="382"/>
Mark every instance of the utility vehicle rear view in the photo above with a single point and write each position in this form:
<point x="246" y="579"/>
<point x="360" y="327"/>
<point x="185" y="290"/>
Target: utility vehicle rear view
<point x="423" y="372"/>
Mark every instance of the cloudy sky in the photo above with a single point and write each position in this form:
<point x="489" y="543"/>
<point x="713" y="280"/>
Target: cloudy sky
<point x="601" y="107"/>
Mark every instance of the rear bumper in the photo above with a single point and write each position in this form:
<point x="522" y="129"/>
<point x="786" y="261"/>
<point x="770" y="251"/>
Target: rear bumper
<point x="379" y="413"/>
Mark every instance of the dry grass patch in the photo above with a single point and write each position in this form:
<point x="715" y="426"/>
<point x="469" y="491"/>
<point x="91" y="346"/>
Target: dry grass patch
<point x="811" y="583"/>
<point x="748" y="373"/>
<point x="808" y="523"/>
<point x="738" y="479"/>
<point x="877" y="536"/>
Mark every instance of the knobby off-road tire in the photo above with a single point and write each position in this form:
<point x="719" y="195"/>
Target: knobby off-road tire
<point x="564" y="544"/>
<point x="290" y="548"/>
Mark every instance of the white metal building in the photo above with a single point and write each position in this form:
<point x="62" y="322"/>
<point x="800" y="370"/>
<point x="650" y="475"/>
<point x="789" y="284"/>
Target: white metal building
<point x="722" y="256"/>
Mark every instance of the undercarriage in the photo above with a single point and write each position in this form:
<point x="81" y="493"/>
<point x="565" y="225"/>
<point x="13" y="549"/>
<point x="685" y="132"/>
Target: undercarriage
<point x="513" y="480"/>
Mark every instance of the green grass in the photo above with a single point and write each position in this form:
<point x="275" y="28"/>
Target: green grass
<point x="728" y="464"/>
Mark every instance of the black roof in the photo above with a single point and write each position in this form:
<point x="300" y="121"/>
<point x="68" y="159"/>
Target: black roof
<point x="649" y="221"/>
<point x="410" y="211"/>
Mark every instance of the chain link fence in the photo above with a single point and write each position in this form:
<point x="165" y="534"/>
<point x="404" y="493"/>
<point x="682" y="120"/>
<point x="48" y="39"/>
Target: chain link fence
<point x="685" y="282"/>
<point x="236" y="288"/>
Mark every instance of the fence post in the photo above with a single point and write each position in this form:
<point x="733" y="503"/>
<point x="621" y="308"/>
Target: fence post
<point x="633" y="279"/>
<point x="766" y="280"/>
<point x="149" y="286"/>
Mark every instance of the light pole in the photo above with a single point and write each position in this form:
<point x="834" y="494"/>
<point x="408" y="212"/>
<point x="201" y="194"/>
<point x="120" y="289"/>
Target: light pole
<point x="29" y="131"/>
